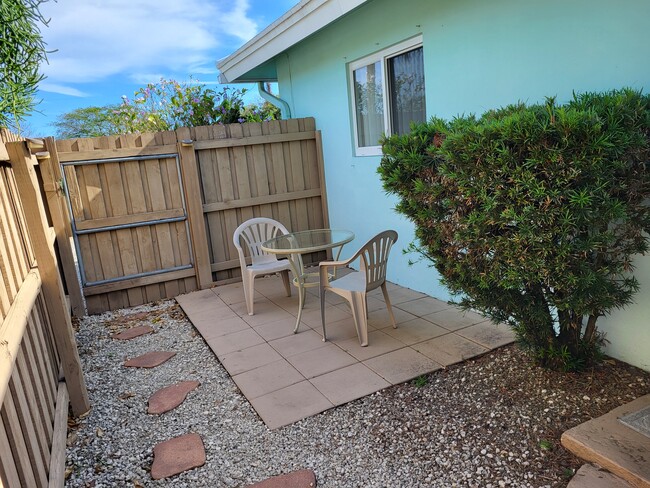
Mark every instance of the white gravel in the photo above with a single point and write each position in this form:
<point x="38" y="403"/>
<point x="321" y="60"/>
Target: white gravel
<point x="457" y="430"/>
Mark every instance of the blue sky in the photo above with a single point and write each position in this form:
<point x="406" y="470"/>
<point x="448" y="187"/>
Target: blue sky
<point x="109" y="48"/>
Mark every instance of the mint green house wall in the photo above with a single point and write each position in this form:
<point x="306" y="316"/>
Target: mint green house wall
<point x="478" y="55"/>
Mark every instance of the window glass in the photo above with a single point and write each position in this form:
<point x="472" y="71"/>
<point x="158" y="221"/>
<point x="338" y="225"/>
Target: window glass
<point x="406" y="90"/>
<point x="369" y="101"/>
<point x="387" y="94"/>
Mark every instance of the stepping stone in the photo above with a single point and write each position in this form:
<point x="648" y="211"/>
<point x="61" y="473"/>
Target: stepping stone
<point x="177" y="455"/>
<point x="168" y="398"/>
<point x="305" y="478"/>
<point x="149" y="360"/>
<point x="133" y="317"/>
<point x="133" y="332"/>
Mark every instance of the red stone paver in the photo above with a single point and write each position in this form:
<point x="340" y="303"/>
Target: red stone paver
<point x="149" y="360"/>
<point x="305" y="478"/>
<point x="168" y="398"/>
<point x="133" y="332"/>
<point x="133" y="317"/>
<point x="177" y="455"/>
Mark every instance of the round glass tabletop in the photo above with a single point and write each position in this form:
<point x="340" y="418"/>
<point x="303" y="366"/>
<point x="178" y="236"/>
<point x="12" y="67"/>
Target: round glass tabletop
<point x="308" y="241"/>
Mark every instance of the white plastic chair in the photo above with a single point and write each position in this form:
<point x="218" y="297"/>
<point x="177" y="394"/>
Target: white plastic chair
<point x="254" y="233"/>
<point x="355" y="285"/>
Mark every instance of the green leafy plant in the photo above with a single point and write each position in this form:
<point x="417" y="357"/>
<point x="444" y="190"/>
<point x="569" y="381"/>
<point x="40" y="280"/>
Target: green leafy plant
<point x="166" y="105"/>
<point x="532" y="214"/>
<point x="22" y="51"/>
<point x="86" y="122"/>
<point x="546" y="445"/>
<point x="421" y="381"/>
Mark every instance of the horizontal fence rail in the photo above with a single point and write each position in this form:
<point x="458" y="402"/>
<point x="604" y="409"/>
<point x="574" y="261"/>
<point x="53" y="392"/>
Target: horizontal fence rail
<point x="153" y="214"/>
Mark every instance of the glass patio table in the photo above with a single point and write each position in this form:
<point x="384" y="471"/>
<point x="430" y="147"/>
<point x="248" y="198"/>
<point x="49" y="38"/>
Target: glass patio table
<point x="295" y="244"/>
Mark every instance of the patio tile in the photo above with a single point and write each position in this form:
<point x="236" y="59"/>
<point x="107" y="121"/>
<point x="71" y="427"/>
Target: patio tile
<point x="449" y="349"/>
<point x="272" y="286"/>
<point x="290" y="304"/>
<point x="454" y="318"/>
<point x="402" y="365"/>
<point x="305" y="340"/>
<point x="237" y="341"/>
<point x="320" y="361"/>
<point x="266" y="313"/>
<point x="339" y="331"/>
<point x="267" y="378"/>
<point x="197" y="299"/>
<point x="290" y="404"/>
<point x="423" y="306"/>
<point x="398" y="295"/>
<point x="249" y="358"/>
<point x="219" y="327"/>
<point x="312" y="318"/>
<point x="276" y="330"/>
<point x="488" y="334"/>
<point x="207" y="318"/>
<point x="380" y="319"/>
<point x="378" y="343"/>
<point x="374" y="304"/>
<point x="414" y="331"/>
<point x="233" y="293"/>
<point x="349" y="383"/>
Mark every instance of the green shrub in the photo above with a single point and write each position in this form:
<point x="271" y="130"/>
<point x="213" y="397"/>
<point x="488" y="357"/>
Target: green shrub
<point x="531" y="214"/>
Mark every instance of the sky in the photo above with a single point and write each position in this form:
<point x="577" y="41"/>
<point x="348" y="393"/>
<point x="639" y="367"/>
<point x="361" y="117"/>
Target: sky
<point x="104" y="49"/>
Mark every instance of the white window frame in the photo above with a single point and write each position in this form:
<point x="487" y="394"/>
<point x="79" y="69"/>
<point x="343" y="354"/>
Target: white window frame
<point x="382" y="56"/>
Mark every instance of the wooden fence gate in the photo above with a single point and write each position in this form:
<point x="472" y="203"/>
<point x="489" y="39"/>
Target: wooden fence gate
<point x="153" y="214"/>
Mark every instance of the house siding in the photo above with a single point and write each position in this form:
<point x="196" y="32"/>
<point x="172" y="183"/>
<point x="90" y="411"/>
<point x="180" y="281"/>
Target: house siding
<point x="478" y="55"/>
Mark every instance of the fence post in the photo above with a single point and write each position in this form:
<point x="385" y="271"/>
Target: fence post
<point x="51" y="174"/>
<point x="28" y="189"/>
<point x="194" y="204"/>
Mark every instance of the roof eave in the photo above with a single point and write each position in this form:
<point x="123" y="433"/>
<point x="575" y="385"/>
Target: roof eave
<point x="300" y="22"/>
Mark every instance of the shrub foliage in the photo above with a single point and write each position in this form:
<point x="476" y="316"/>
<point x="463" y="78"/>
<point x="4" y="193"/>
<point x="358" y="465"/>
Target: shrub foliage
<point x="532" y="214"/>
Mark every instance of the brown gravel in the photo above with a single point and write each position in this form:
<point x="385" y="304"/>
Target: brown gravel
<point x="542" y="405"/>
<point x="489" y="422"/>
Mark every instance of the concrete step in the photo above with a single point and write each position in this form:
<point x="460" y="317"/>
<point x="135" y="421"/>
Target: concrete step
<point x="590" y="476"/>
<point x="614" y="446"/>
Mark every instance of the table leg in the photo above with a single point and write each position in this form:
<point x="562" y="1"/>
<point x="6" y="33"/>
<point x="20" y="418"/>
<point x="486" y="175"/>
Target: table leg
<point x="295" y="262"/>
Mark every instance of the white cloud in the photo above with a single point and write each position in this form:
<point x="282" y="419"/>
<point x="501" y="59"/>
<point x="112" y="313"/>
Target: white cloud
<point x="96" y="39"/>
<point x="62" y="89"/>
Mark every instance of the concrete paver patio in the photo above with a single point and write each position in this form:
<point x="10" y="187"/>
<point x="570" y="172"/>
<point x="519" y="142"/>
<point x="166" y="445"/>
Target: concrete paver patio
<point x="287" y="377"/>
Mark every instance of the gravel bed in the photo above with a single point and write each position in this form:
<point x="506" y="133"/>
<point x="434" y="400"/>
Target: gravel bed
<point x="490" y="422"/>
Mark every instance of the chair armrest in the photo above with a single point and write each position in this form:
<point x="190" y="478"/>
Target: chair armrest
<point x="324" y="266"/>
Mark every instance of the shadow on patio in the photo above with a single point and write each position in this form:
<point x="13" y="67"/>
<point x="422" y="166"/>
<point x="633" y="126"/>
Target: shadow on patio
<point x="287" y="377"/>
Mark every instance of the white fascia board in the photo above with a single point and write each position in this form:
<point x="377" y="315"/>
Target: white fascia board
<point x="300" y="22"/>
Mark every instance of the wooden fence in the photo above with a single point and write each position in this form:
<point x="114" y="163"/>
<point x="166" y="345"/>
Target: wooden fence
<point x="40" y="374"/>
<point x="153" y="214"/>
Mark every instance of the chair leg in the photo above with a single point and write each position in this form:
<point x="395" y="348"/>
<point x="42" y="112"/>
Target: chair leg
<point x="384" y="290"/>
<point x="322" y="311"/>
<point x="360" y="315"/>
<point x="249" y="291"/>
<point x="285" y="280"/>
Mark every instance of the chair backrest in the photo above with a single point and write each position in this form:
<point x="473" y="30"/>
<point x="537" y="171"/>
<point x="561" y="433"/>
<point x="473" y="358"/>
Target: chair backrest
<point x="374" y="258"/>
<point x="254" y="233"/>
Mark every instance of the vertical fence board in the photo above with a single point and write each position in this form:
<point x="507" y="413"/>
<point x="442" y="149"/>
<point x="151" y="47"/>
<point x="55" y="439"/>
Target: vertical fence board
<point x="231" y="174"/>
<point x="26" y="421"/>
<point x="18" y="442"/>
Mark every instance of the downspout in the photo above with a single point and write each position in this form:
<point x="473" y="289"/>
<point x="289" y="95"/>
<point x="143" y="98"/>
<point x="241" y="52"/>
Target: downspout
<point x="285" y="111"/>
